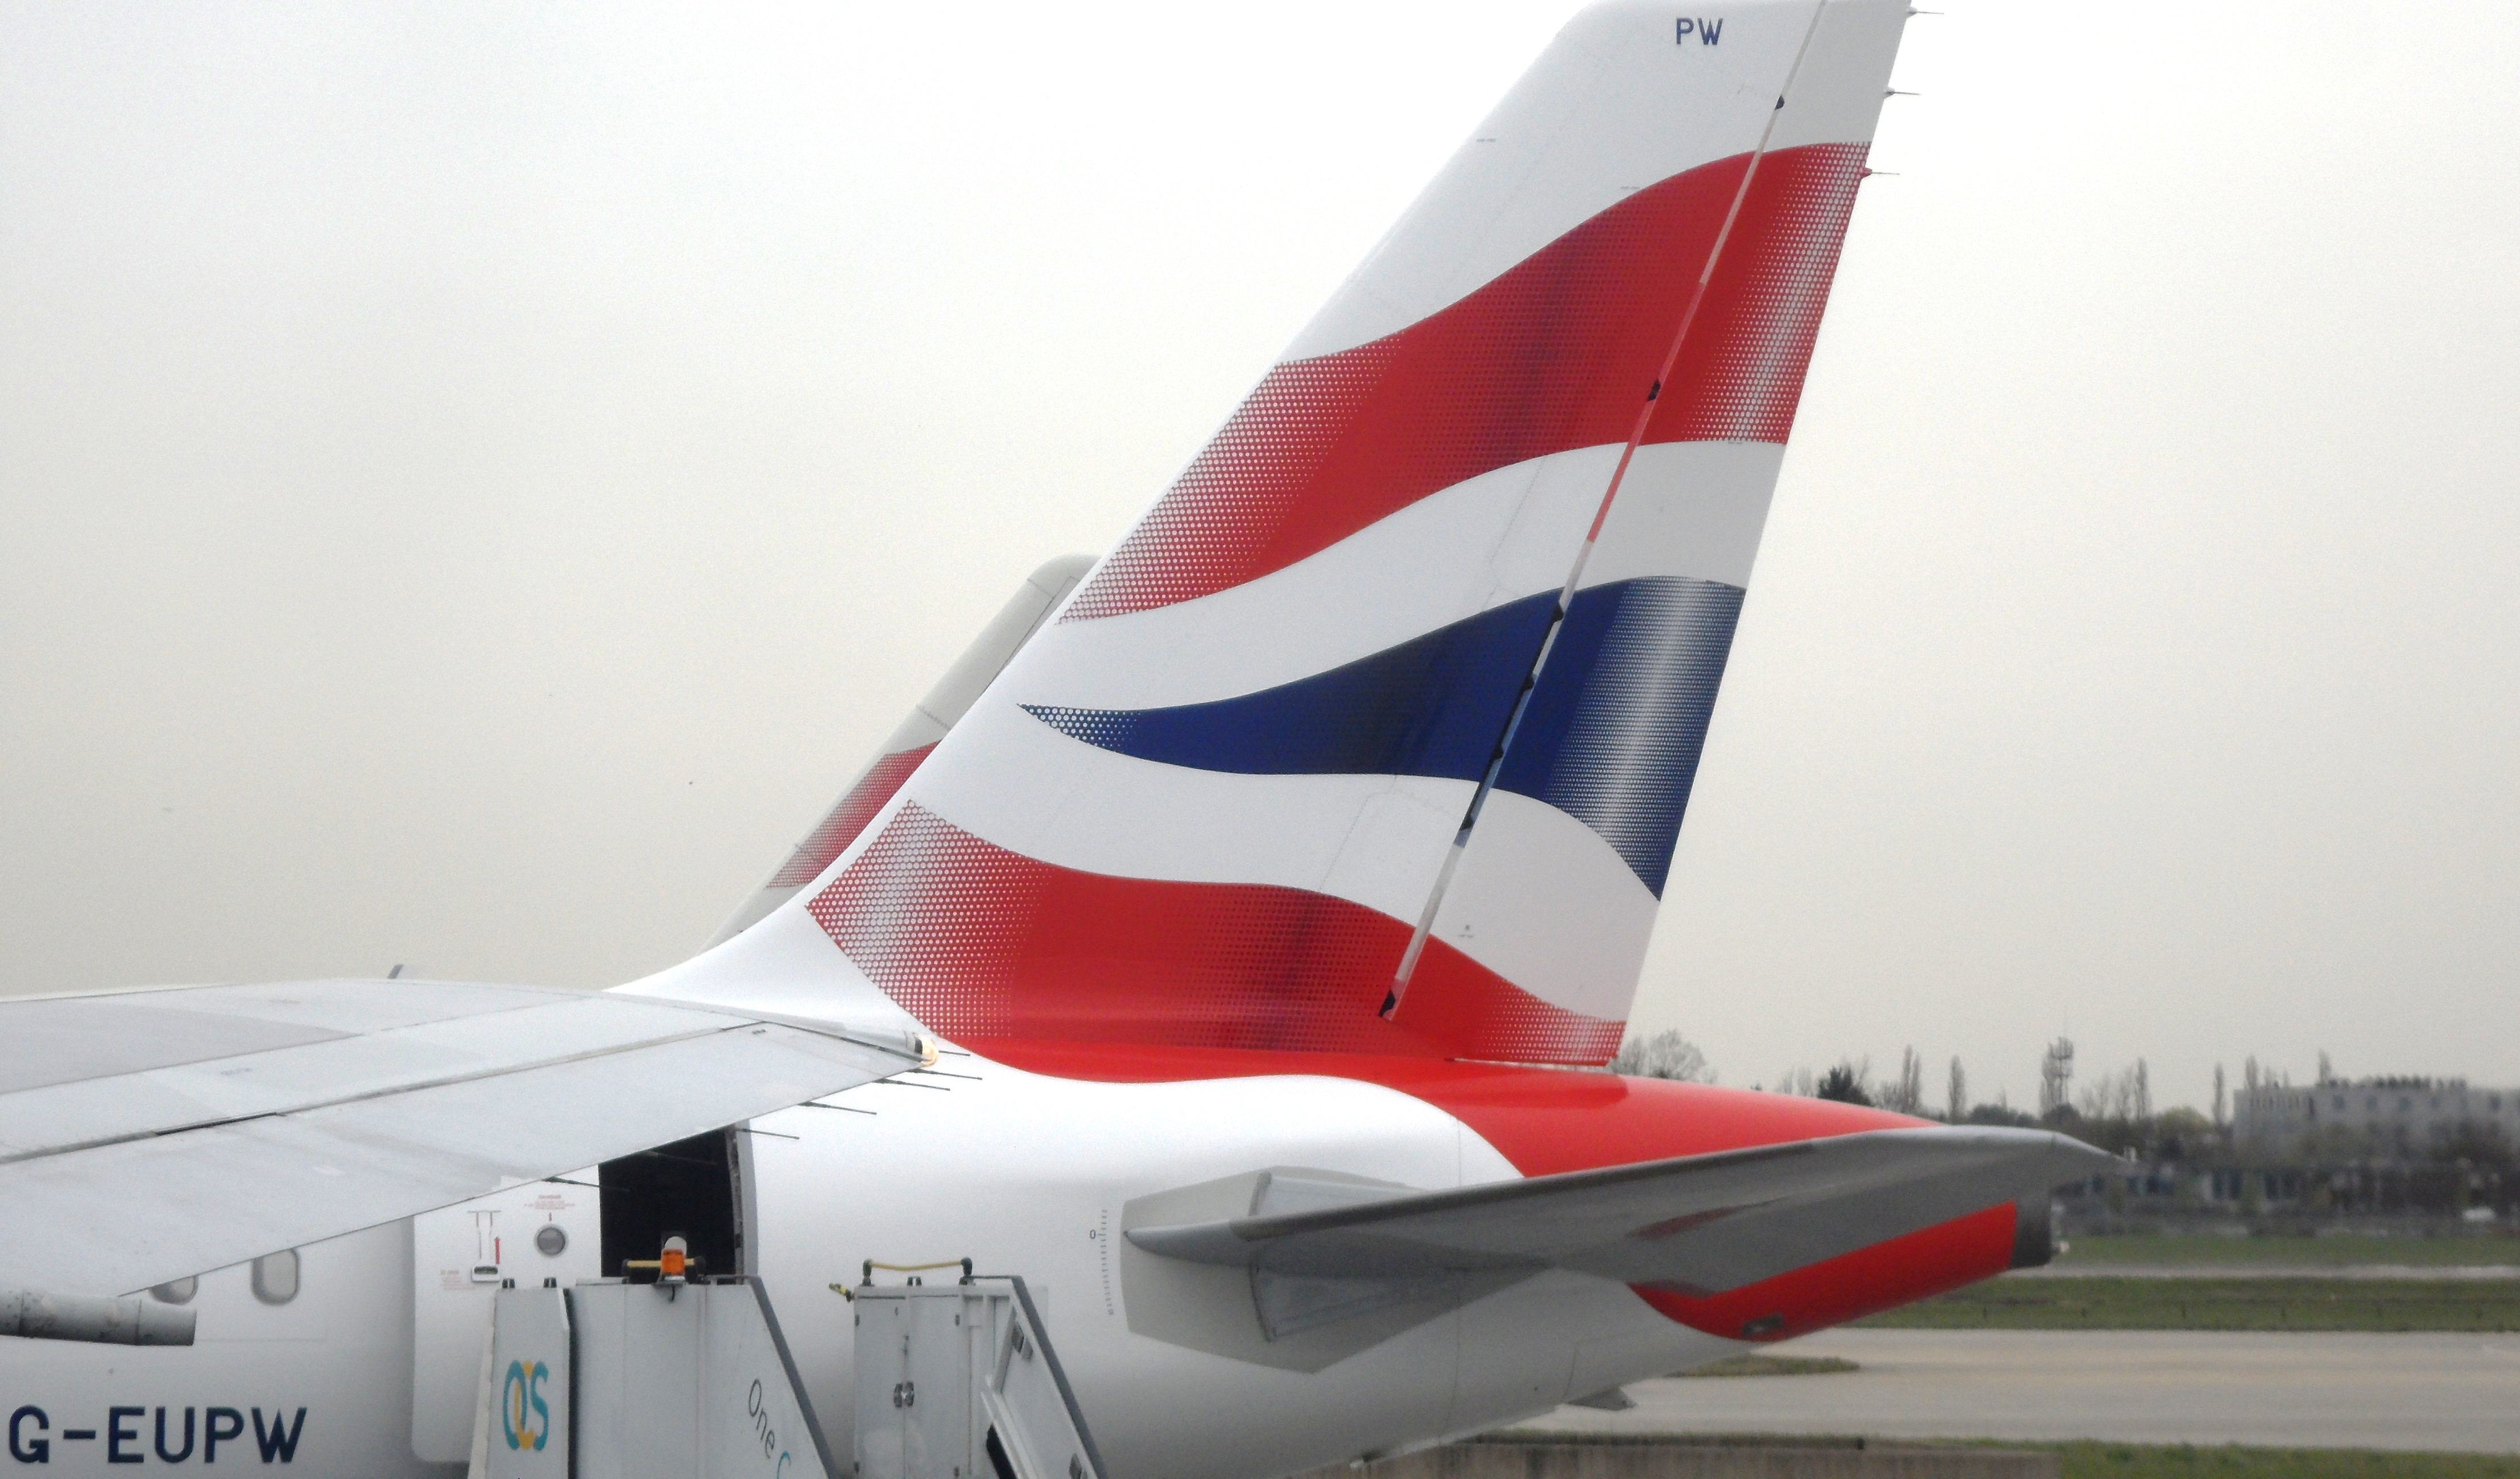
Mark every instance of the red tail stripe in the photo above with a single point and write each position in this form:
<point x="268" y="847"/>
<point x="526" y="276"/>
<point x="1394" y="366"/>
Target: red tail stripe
<point x="849" y="818"/>
<point x="1556" y="354"/>
<point x="979" y="942"/>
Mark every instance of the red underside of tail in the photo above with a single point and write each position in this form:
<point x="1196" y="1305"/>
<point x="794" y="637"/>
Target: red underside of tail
<point x="1852" y="1285"/>
<point x="979" y="942"/>
<point x="1547" y="1121"/>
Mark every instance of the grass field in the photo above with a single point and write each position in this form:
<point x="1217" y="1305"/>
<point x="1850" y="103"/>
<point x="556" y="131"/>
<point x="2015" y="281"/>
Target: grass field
<point x="2215" y="1304"/>
<point x="2291" y="1253"/>
<point x="2124" y="1460"/>
<point x="1756" y="1364"/>
<point x="2120" y="1460"/>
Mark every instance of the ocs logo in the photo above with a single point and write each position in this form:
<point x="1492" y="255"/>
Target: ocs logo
<point x="527" y="1415"/>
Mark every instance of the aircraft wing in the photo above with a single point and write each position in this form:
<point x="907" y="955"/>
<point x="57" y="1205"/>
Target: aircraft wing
<point x="149" y="1136"/>
<point x="1695" y="1224"/>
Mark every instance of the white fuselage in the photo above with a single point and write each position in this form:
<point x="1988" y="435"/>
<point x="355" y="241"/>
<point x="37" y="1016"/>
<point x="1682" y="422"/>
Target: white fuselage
<point x="1020" y="1173"/>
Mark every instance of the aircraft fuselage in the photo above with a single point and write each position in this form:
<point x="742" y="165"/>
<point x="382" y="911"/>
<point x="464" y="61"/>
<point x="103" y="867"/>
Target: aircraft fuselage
<point x="364" y="1371"/>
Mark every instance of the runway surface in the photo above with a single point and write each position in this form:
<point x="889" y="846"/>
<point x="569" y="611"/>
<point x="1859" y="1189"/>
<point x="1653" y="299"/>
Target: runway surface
<point x="2453" y="1393"/>
<point x="2364" y="1273"/>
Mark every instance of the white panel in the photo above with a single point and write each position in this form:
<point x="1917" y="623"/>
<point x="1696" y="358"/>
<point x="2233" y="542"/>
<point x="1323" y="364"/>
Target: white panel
<point x="641" y="1387"/>
<point x="917" y="1348"/>
<point x="783" y="966"/>
<point x="1109" y="813"/>
<point x="1498" y="1371"/>
<point x="124" y="1216"/>
<point x="1615" y="103"/>
<point x="1396" y="846"/>
<point x="1845" y="73"/>
<point x="458" y="1256"/>
<point x="1541" y="899"/>
<point x="529" y="1421"/>
<point x="692" y="1383"/>
<point x="759" y="1425"/>
<point x="1692" y="509"/>
<point x="1491" y="539"/>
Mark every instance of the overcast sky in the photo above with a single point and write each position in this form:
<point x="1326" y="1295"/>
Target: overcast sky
<point x="474" y="479"/>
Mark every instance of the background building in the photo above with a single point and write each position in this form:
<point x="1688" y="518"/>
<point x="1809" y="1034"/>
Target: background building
<point x="2374" y="1117"/>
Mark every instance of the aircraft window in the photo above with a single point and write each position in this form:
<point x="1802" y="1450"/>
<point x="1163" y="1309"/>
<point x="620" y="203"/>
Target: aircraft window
<point x="551" y="1238"/>
<point x="177" y="1292"/>
<point x="275" y="1278"/>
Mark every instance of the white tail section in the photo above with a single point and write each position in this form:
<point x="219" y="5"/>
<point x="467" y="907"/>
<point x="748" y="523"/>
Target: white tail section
<point x="928" y="722"/>
<point x="1471" y="553"/>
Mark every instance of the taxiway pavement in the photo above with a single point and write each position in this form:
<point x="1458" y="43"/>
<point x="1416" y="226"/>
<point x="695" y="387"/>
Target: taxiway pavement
<point x="2450" y="1393"/>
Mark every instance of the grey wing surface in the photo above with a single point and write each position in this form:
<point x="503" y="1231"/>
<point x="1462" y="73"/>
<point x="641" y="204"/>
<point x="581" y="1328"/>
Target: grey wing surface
<point x="1701" y="1223"/>
<point x="150" y="1136"/>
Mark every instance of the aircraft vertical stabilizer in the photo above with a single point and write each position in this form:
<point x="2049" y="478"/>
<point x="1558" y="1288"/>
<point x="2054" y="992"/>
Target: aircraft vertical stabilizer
<point x="1376" y="732"/>
<point x="910" y="741"/>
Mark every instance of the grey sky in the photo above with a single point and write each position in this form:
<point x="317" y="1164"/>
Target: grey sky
<point x="474" y="480"/>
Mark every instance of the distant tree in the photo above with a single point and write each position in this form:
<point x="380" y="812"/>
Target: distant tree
<point x="1664" y="1055"/>
<point x="2179" y="1133"/>
<point x="1958" y="1105"/>
<point x="1844" y="1084"/>
<point x="1907" y="1094"/>
<point x="2109" y="1096"/>
<point x="2477" y="1143"/>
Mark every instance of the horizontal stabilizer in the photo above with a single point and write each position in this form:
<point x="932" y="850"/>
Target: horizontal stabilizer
<point x="1696" y="1224"/>
<point x="150" y="1135"/>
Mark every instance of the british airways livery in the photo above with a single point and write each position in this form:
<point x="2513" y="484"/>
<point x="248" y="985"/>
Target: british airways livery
<point x="1232" y="944"/>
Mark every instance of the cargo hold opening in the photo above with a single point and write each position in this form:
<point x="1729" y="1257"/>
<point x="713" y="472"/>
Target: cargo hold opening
<point x="689" y="1188"/>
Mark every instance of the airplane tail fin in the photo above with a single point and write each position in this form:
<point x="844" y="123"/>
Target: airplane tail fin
<point x="928" y="722"/>
<point x="1376" y="732"/>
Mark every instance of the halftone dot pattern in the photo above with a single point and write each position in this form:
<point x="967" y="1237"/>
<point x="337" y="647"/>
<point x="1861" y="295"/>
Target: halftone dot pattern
<point x="855" y="810"/>
<point x="1203" y="535"/>
<point x="979" y="942"/>
<point x="1433" y="706"/>
<point x="1611" y="738"/>
<point x="1741" y="375"/>
<point x="1557" y="352"/>
<point x="1103" y="729"/>
<point x="934" y="915"/>
<point x="1615" y="728"/>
